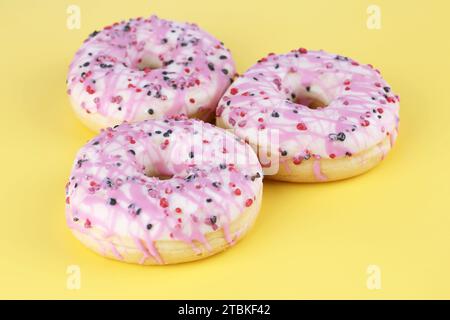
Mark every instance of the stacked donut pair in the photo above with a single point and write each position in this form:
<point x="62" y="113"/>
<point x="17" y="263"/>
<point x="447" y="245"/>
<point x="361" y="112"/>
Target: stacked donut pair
<point x="160" y="184"/>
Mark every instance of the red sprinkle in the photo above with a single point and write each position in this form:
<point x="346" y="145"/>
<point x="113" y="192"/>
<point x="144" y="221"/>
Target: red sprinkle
<point x="301" y="126"/>
<point x="302" y="50"/>
<point x="237" y="192"/>
<point x="178" y="210"/>
<point x="87" y="224"/>
<point x="90" y="90"/>
<point x="380" y="110"/>
<point x="192" y="100"/>
<point x="249" y="202"/>
<point x="163" y="202"/>
<point x="365" y="123"/>
<point x="332" y="155"/>
<point x="234" y="91"/>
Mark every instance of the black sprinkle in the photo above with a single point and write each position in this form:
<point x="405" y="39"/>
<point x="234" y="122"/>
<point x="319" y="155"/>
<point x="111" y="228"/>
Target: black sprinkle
<point x="211" y="66"/>
<point x="209" y="200"/>
<point x="85" y="64"/>
<point x="341" y="136"/>
<point x="225" y="71"/>
<point x="112" y="201"/>
<point x="149" y="226"/>
<point x="275" y="114"/>
<point x="213" y="219"/>
<point x="308" y="88"/>
<point x="222" y="57"/>
<point x="93" y="34"/>
<point x="284" y="153"/>
<point x="223" y="166"/>
<point x="132" y="152"/>
<point x="191" y="154"/>
<point x="150" y="111"/>
<point x="168" y="62"/>
<point x="387" y="89"/>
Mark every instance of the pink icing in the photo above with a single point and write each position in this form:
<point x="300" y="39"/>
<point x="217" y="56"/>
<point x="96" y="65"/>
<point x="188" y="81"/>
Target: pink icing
<point x="149" y="68"/>
<point x="213" y="177"/>
<point x="360" y="108"/>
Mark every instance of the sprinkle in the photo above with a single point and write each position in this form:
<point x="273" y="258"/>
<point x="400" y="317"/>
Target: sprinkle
<point x="237" y="192"/>
<point x="112" y="201"/>
<point x="248" y="202"/>
<point x="90" y="90"/>
<point x="365" y="123"/>
<point x="87" y="223"/>
<point x="192" y="100"/>
<point x="234" y="91"/>
<point x="149" y="226"/>
<point x="341" y="136"/>
<point x="302" y="50"/>
<point x="178" y="210"/>
<point x="301" y="126"/>
<point x="213" y="219"/>
<point x="163" y="202"/>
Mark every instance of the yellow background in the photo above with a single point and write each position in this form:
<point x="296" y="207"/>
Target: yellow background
<point x="310" y="240"/>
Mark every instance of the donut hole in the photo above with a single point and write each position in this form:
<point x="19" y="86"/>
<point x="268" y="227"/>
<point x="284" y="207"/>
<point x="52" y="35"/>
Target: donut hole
<point x="306" y="97"/>
<point x="149" y="62"/>
<point x="152" y="173"/>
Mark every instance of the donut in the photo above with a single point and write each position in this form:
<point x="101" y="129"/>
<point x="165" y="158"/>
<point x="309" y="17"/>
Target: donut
<point x="147" y="69"/>
<point x="163" y="191"/>
<point x="315" y="116"/>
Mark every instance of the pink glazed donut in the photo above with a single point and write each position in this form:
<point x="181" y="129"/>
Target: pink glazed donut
<point x="163" y="191"/>
<point x="147" y="69"/>
<point x="332" y="117"/>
